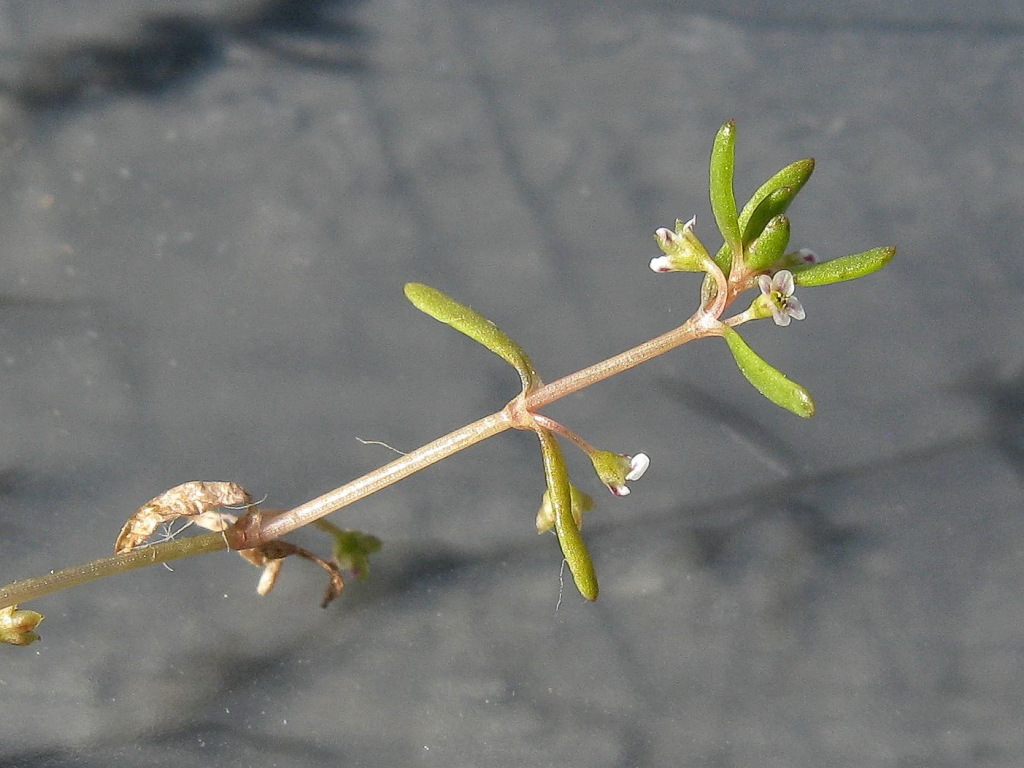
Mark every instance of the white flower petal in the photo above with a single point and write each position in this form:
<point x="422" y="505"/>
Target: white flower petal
<point x="665" y="235"/>
<point x="781" y="318"/>
<point x="783" y="282"/>
<point x="661" y="264"/>
<point x="795" y="309"/>
<point x="638" y="466"/>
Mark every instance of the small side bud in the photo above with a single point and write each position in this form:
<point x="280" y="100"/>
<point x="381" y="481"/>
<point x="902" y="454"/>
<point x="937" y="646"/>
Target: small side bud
<point x="17" y="626"/>
<point x="800" y="258"/>
<point x="579" y="501"/>
<point x="352" y="549"/>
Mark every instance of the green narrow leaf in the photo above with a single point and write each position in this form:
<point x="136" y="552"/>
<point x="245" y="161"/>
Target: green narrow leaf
<point x="774" y="205"/>
<point x="770" y="382"/>
<point x="770" y="245"/>
<point x="467" y="320"/>
<point x="844" y="268"/>
<point x="574" y="549"/>
<point x="723" y="200"/>
<point x="793" y="176"/>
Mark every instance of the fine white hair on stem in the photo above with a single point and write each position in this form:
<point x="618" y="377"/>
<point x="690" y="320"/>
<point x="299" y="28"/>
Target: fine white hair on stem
<point x="383" y="444"/>
<point x="246" y="506"/>
<point x="167" y="533"/>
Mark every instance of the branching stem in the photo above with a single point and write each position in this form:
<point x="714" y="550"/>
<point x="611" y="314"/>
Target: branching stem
<point x="400" y="468"/>
<point x="756" y="238"/>
<point x="260" y="531"/>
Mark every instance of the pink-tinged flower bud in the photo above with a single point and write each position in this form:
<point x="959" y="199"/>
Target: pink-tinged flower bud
<point x="796" y="260"/>
<point x="616" y="469"/>
<point x="683" y="251"/>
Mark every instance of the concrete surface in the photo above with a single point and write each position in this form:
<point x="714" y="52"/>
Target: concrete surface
<point x="207" y="212"/>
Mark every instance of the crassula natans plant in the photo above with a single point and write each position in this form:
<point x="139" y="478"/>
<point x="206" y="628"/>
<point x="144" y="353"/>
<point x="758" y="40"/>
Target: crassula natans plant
<point x="754" y="266"/>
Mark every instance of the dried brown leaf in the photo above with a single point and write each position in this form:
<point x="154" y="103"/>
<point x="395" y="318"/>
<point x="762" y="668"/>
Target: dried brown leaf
<point x="193" y="499"/>
<point x="270" y="557"/>
<point x="199" y="501"/>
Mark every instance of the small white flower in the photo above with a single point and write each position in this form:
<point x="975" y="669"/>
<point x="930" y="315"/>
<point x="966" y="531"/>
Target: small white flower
<point x="777" y="291"/>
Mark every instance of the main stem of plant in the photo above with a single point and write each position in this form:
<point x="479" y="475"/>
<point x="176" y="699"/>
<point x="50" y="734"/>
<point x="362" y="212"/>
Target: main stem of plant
<point x="259" y="531"/>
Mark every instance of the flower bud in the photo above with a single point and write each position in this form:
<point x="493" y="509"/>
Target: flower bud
<point x="16" y="626"/>
<point x="615" y="469"/>
<point x="580" y="502"/>
<point x="683" y="251"/>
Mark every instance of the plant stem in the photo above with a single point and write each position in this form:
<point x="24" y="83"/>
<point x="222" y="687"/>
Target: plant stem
<point x="400" y="468"/>
<point x="697" y="326"/>
<point x="55" y="581"/>
<point x="260" y="531"/>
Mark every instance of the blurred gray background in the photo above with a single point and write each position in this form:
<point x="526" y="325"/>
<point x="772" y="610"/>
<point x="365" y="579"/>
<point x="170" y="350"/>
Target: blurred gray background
<point x="208" y="209"/>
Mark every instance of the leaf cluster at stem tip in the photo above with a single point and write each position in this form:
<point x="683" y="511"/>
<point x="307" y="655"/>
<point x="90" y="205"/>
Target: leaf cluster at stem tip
<point x="755" y="254"/>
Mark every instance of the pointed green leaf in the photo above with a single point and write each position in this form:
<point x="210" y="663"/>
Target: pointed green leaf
<point x="723" y="200"/>
<point x="574" y="549"/>
<point x="467" y="320"/>
<point x="770" y="245"/>
<point x="771" y="383"/>
<point x="844" y="268"/>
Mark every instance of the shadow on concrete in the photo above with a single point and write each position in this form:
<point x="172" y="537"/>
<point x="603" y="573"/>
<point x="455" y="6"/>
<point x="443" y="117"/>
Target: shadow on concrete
<point x="171" y="52"/>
